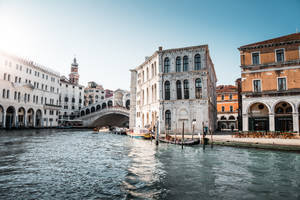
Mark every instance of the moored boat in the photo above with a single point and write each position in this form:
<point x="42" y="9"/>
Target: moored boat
<point x="179" y="142"/>
<point x="141" y="133"/>
<point x="102" y="130"/>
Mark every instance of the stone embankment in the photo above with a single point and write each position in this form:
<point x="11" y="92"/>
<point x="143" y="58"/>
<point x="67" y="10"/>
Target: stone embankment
<point x="260" y="143"/>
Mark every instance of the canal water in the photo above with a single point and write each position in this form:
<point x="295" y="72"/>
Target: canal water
<point x="51" y="164"/>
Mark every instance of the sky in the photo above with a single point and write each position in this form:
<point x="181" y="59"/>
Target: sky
<point x="111" y="37"/>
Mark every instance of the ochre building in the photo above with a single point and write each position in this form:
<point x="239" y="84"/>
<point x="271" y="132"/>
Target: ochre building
<point x="270" y="76"/>
<point x="227" y="107"/>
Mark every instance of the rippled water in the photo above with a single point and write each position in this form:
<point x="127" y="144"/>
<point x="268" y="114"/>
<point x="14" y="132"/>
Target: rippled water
<point x="81" y="165"/>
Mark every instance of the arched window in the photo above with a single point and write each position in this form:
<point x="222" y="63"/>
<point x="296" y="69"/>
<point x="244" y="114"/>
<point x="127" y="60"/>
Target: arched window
<point x="152" y="71"/>
<point x="197" y="62"/>
<point x="168" y="120"/>
<point x="186" y="89"/>
<point x="198" y="88"/>
<point x="185" y="63"/>
<point x="167" y="90"/>
<point x="167" y="65"/>
<point x="178" y="64"/>
<point x="178" y="89"/>
<point x="147" y="74"/>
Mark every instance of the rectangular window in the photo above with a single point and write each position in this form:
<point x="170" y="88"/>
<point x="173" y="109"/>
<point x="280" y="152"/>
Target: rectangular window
<point x="256" y="86"/>
<point x="231" y="109"/>
<point x="281" y="84"/>
<point x="255" y="58"/>
<point x="223" y="109"/>
<point x="279" y="55"/>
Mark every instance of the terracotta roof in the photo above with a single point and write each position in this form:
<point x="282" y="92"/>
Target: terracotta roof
<point x="226" y="88"/>
<point x="285" y="38"/>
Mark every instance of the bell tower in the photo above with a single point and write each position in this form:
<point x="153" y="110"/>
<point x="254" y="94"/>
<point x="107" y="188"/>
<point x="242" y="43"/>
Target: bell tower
<point x="74" y="76"/>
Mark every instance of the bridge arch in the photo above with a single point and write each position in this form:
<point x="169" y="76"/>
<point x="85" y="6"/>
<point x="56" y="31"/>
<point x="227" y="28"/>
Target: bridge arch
<point x="107" y="117"/>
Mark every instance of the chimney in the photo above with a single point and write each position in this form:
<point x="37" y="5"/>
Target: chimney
<point x="160" y="48"/>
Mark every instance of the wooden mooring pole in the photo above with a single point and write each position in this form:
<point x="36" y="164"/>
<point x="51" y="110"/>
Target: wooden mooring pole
<point x="182" y="137"/>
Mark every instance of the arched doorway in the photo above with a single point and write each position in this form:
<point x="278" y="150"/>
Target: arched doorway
<point x="103" y="105"/>
<point x="93" y="109"/>
<point x="1" y="116"/>
<point x="82" y="113"/>
<point x="223" y="126"/>
<point x="10" y="117"/>
<point x="87" y="111"/>
<point x="283" y="117"/>
<point x="110" y="103"/>
<point x="231" y="117"/>
<point x="30" y="116"/>
<point x="21" y="117"/>
<point x="38" y="118"/>
<point x="258" y="117"/>
<point x="128" y="104"/>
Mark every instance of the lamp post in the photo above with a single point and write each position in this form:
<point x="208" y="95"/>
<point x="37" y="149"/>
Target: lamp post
<point x="193" y="124"/>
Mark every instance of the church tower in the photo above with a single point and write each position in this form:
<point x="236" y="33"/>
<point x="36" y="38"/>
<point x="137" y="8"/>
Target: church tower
<point x="74" y="76"/>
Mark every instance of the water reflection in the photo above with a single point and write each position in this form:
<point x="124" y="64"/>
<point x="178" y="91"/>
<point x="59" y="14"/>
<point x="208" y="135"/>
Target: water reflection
<point x="53" y="164"/>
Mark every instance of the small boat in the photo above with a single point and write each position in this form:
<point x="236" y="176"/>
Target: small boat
<point x="102" y="130"/>
<point x="188" y="142"/>
<point x="141" y="133"/>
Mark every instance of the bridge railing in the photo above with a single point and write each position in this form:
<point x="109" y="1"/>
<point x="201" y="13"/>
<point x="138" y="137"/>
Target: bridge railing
<point x="116" y="108"/>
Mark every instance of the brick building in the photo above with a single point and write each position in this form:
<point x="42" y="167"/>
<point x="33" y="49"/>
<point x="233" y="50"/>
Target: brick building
<point x="227" y="107"/>
<point x="270" y="77"/>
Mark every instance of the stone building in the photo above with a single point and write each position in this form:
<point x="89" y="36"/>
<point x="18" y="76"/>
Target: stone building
<point x="71" y="95"/>
<point x="29" y="93"/>
<point x="227" y="106"/>
<point x="172" y="86"/>
<point x="93" y="93"/>
<point x="121" y="98"/>
<point x="270" y="77"/>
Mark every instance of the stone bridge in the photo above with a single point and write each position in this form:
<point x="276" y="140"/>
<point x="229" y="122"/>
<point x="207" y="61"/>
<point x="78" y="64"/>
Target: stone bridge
<point x="109" y="116"/>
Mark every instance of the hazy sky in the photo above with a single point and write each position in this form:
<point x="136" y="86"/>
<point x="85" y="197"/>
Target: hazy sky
<point x="111" y="37"/>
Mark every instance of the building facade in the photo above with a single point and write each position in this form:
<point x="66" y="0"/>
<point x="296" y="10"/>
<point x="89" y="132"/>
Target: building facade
<point x="227" y="107"/>
<point x="93" y="93"/>
<point x="29" y="93"/>
<point x="71" y="96"/>
<point x="270" y="78"/>
<point x="174" y="86"/>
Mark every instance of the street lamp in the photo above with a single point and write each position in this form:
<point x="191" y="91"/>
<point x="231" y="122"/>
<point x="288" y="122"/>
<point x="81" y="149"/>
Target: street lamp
<point x="193" y="125"/>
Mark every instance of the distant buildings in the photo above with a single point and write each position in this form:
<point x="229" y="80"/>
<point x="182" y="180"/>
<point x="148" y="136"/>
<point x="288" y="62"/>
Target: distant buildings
<point x="173" y="86"/>
<point x="227" y="106"/>
<point x="71" y="95"/>
<point x="29" y="93"/>
<point x="270" y="81"/>
<point x="93" y="93"/>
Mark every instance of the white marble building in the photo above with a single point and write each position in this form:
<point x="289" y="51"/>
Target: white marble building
<point x="71" y="96"/>
<point x="29" y="93"/>
<point x="173" y="86"/>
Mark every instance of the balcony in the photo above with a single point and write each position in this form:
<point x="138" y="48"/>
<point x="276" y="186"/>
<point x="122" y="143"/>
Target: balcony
<point x="272" y="93"/>
<point x="267" y="65"/>
<point x="52" y="106"/>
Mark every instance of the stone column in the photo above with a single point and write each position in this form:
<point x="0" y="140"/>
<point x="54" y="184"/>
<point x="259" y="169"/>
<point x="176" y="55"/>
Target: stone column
<point x="245" y="122"/>
<point x="33" y="120"/>
<point x="271" y="122"/>
<point x="296" y="122"/>
<point x="16" y="121"/>
<point x="25" y="120"/>
<point x="4" y="119"/>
